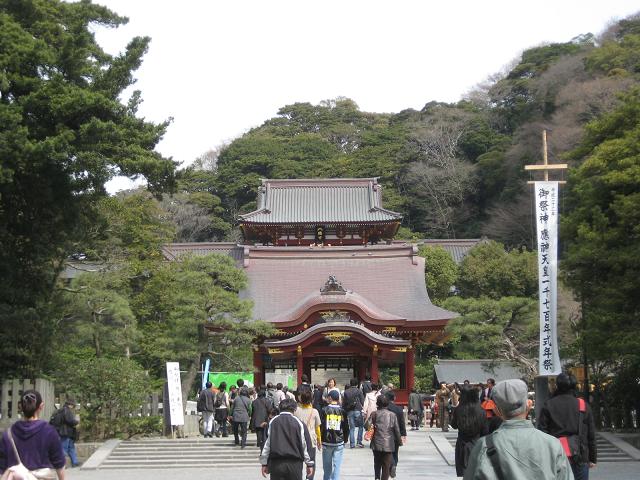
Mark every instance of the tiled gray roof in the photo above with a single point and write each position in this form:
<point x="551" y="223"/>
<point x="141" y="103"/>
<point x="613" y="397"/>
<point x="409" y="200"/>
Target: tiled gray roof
<point x="73" y="269"/>
<point x="320" y="201"/>
<point x="171" y="251"/>
<point x="476" y="371"/>
<point x="389" y="276"/>
<point x="457" y="248"/>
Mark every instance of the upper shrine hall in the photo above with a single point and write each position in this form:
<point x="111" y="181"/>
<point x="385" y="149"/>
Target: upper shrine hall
<point x="324" y="270"/>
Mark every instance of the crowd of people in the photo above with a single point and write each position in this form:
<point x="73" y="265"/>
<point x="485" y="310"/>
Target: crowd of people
<point x="496" y="437"/>
<point x="292" y="428"/>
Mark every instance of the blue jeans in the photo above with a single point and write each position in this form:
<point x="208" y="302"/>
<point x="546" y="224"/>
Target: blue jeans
<point x="353" y="417"/>
<point x="331" y="461"/>
<point x="69" y="448"/>
<point x="580" y="471"/>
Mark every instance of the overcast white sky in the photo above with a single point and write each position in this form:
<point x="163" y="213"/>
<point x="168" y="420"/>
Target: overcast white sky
<point x="221" y="67"/>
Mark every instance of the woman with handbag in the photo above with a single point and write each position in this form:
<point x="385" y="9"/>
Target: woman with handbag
<point x="31" y="448"/>
<point x="386" y="437"/>
<point x="370" y="404"/>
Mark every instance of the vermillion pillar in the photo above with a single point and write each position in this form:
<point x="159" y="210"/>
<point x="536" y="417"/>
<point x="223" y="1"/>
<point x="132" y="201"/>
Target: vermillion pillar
<point x="374" y="365"/>
<point x="299" y="365"/>
<point x="409" y="365"/>
<point x="258" y="369"/>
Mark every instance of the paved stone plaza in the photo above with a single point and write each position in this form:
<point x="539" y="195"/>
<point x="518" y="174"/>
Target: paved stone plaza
<point x="419" y="459"/>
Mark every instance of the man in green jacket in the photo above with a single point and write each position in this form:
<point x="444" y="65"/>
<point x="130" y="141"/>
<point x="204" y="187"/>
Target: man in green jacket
<point x="517" y="450"/>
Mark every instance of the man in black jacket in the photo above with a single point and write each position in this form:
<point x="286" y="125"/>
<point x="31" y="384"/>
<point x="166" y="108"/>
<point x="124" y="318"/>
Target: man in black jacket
<point x="260" y="410"/>
<point x="390" y="394"/>
<point x="365" y="386"/>
<point x="566" y="417"/>
<point x="206" y="401"/>
<point x="352" y="403"/>
<point x="332" y="436"/>
<point x="65" y="422"/>
<point x="285" y="450"/>
<point x="303" y="387"/>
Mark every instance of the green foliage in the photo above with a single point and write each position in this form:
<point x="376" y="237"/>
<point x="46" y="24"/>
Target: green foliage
<point x="64" y="134"/>
<point x="494" y="328"/>
<point x="489" y="270"/>
<point x="405" y="234"/>
<point x="441" y="272"/>
<point x="111" y="391"/>
<point x="498" y="307"/>
<point x="183" y="296"/>
<point x="618" y="56"/>
<point x="515" y="96"/>
<point x="424" y="374"/>
<point x="602" y="230"/>
<point x="149" y="426"/>
<point x="133" y="228"/>
<point x="98" y="313"/>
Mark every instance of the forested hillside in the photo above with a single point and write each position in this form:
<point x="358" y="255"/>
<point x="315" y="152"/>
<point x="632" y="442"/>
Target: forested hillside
<point x="453" y="170"/>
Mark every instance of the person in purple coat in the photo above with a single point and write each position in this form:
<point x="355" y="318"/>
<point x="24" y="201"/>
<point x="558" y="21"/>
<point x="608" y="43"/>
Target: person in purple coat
<point x="37" y="442"/>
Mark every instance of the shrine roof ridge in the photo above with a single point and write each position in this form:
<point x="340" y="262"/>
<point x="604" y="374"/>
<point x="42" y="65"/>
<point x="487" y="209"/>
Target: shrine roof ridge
<point x="320" y="200"/>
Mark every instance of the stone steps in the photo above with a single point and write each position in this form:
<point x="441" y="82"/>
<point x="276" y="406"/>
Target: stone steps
<point x="180" y="453"/>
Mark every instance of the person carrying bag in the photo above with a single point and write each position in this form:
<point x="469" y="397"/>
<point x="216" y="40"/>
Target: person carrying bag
<point x="31" y="449"/>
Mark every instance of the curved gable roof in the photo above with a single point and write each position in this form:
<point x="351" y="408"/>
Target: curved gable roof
<point x="388" y="278"/>
<point x="333" y="327"/>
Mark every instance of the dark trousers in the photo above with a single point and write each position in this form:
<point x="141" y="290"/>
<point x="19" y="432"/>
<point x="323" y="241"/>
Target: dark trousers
<point x="395" y="456"/>
<point x="240" y="430"/>
<point x="382" y="462"/>
<point x="260" y="437"/>
<point x="221" y="419"/>
<point x="312" y="456"/>
<point x="285" y="469"/>
<point x="580" y="471"/>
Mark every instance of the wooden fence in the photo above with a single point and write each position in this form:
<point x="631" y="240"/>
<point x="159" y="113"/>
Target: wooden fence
<point x="151" y="405"/>
<point x="11" y="393"/>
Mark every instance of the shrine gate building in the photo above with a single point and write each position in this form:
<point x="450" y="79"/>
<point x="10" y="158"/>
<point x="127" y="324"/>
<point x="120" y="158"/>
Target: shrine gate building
<point x="324" y="270"/>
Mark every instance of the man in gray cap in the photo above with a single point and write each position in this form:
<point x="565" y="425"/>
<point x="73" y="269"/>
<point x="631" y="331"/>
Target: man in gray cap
<point x="517" y="450"/>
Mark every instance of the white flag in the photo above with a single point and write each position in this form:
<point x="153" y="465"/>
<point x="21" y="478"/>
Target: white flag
<point x="176" y="411"/>
<point x="546" y="198"/>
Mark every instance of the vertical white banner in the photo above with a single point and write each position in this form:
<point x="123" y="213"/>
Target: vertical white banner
<point x="176" y="411"/>
<point x="546" y="198"/>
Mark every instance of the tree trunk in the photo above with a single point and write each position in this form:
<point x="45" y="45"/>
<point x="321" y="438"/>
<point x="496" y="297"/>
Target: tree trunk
<point x="187" y="382"/>
<point x="595" y="407"/>
<point x="96" y="344"/>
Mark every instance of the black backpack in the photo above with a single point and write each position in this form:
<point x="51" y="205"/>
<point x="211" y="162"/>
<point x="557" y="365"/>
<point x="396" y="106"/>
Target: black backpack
<point x="218" y="401"/>
<point x="57" y="419"/>
<point x="353" y="399"/>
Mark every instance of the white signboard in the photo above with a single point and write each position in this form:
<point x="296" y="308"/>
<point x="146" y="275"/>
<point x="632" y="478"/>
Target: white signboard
<point x="546" y="198"/>
<point x="175" y="393"/>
